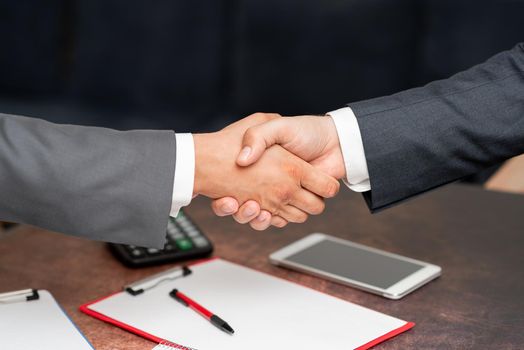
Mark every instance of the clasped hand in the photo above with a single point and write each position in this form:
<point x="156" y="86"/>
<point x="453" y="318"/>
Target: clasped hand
<point x="269" y="170"/>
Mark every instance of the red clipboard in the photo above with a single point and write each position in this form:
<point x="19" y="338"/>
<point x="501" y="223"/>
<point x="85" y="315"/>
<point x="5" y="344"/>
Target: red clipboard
<point x="85" y="309"/>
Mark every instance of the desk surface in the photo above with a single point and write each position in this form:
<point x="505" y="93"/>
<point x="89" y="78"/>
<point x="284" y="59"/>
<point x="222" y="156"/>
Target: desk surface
<point x="475" y="235"/>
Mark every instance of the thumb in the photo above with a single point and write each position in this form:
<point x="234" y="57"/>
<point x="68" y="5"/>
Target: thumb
<point x="260" y="137"/>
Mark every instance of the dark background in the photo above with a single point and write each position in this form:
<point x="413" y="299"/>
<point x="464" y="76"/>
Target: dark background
<point x="197" y="65"/>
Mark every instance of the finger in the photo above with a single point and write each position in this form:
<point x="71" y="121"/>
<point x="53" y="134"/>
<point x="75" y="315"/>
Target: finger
<point x="278" y="221"/>
<point x="262" y="117"/>
<point x="224" y="206"/>
<point x="247" y="212"/>
<point x="293" y="214"/>
<point x="308" y="202"/>
<point x="262" y="221"/>
<point x="257" y="138"/>
<point x="319" y="182"/>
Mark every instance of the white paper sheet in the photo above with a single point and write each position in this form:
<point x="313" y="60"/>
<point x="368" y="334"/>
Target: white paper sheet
<point x="266" y="313"/>
<point x="38" y="324"/>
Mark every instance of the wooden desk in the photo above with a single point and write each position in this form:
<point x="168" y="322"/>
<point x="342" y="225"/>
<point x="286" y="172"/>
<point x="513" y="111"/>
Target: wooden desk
<point x="476" y="236"/>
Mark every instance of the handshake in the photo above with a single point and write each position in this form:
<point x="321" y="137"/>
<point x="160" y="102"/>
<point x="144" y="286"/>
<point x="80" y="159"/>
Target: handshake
<point x="269" y="170"/>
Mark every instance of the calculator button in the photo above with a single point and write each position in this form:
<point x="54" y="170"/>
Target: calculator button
<point x="137" y="253"/>
<point x="175" y="236"/>
<point x="171" y="227"/>
<point x="152" y="251"/>
<point x="169" y="247"/>
<point x="200" y="242"/>
<point x="184" y="223"/>
<point x="188" y="228"/>
<point x="184" y="244"/>
<point x="192" y="232"/>
<point x="178" y="235"/>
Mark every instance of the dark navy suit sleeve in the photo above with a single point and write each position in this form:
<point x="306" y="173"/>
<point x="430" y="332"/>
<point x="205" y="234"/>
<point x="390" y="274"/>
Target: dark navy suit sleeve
<point x="422" y="138"/>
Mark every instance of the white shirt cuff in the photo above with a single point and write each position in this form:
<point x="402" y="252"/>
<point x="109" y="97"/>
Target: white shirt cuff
<point x="184" y="173"/>
<point x="357" y="175"/>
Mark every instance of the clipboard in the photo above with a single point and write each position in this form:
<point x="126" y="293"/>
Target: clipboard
<point x="32" y="319"/>
<point x="266" y="312"/>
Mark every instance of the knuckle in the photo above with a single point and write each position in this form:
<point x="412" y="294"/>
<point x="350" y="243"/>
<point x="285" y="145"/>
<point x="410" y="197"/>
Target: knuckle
<point x="280" y="224"/>
<point x="250" y="134"/>
<point x="294" y="171"/>
<point x="284" y="194"/>
<point x="249" y="211"/>
<point x="273" y="209"/>
<point x="271" y="116"/>
<point x="215" y="207"/>
<point x="262" y="117"/>
<point x="268" y="201"/>
<point x="239" y="218"/>
<point x="300" y="218"/>
<point x="318" y="207"/>
<point x="332" y="188"/>
<point x="256" y="227"/>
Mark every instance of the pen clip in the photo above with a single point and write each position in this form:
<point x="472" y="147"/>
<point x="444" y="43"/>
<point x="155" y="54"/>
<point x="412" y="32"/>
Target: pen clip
<point x="19" y="295"/>
<point x="151" y="282"/>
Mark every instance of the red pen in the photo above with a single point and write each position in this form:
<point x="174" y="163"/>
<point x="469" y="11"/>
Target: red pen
<point x="214" y="319"/>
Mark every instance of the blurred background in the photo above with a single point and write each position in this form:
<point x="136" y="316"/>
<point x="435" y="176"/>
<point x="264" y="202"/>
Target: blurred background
<point x="198" y="65"/>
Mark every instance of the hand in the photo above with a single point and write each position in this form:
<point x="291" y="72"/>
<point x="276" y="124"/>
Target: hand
<point x="282" y="183"/>
<point x="312" y="138"/>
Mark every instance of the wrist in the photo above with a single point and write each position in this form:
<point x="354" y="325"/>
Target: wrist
<point x="202" y="172"/>
<point x="334" y="145"/>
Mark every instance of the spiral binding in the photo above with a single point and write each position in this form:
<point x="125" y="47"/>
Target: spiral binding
<point x="165" y="345"/>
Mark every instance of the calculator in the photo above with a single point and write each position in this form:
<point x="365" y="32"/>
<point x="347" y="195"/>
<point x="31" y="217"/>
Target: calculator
<point x="184" y="241"/>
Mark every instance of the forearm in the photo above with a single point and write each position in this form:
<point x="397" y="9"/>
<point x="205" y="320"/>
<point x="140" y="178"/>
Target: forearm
<point x="90" y="182"/>
<point x="422" y="138"/>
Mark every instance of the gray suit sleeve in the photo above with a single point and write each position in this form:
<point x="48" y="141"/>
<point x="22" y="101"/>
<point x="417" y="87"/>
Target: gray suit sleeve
<point x="422" y="138"/>
<point x="97" y="183"/>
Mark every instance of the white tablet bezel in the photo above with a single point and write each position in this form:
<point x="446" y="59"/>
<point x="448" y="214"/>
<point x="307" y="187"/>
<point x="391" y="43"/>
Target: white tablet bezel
<point x="420" y="277"/>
